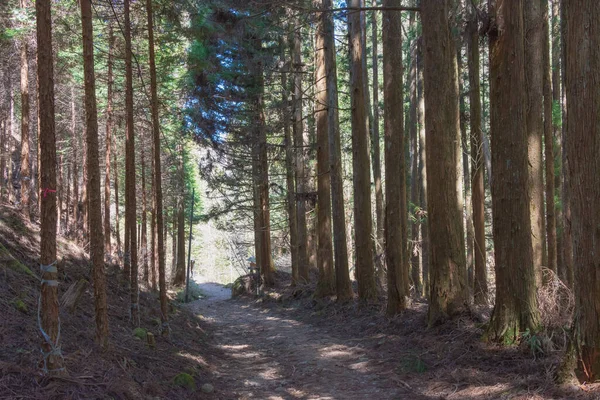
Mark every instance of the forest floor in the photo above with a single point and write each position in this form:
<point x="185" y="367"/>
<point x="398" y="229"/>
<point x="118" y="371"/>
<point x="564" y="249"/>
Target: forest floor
<point x="289" y="346"/>
<point x="285" y="345"/>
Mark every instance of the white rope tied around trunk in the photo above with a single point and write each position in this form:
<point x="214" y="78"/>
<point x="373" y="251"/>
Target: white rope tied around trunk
<point x="54" y="346"/>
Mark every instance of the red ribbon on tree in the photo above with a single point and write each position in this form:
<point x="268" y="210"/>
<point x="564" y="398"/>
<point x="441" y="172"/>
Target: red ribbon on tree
<point x="48" y="190"/>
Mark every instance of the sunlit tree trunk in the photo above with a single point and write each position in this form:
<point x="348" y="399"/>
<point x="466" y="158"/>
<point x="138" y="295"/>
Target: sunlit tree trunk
<point x="365" y="270"/>
<point x="422" y="170"/>
<point x="50" y="325"/>
<point x="448" y="281"/>
<point x="516" y="309"/>
<point x="94" y="200"/>
<point x="107" y="159"/>
<point x="395" y="188"/>
<point x="25" y="139"/>
<point x="326" y="284"/>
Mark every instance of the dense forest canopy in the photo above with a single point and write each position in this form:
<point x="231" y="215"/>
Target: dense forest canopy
<point x="438" y="152"/>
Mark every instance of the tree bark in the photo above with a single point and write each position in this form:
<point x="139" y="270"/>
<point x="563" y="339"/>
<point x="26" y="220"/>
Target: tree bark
<point x="130" y="181"/>
<point x="363" y="226"/>
<point x="25" y="134"/>
<point x="549" y="146"/>
<point x="144" y="233"/>
<point x="480" y="286"/>
<point x="117" y="204"/>
<point x="326" y="283"/>
<point x="75" y="223"/>
<point x="448" y="285"/>
<point x="582" y="146"/>
<point x="534" y="36"/>
<point x="516" y="309"/>
<point x="107" y="159"/>
<point x="180" y="268"/>
<point x="93" y="181"/>
<point x="422" y="171"/>
<point x="395" y="188"/>
<point x="50" y="323"/>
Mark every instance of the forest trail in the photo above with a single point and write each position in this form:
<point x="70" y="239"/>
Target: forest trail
<point x="267" y="355"/>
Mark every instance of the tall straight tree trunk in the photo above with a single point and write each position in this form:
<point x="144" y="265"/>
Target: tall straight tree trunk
<point x="340" y="249"/>
<point x="582" y="146"/>
<point x="144" y="227"/>
<point x="289" y="168"/>
<point x="301" y="156"/>
<point x="158" y="195"/>
<point x="480" y="286"/>
<point x="375" y="149"/>
<point x="117" y="204"/>
<point x="153" y="245"/>
<point x="395" y="188"/>
<point x="93" y="182"/>
<point x="180" y="268"/>
<point x="130" y="181"/>
<point x="549" y="146"/>
<point x="11" y="131"/>
<point x="363" y="226"/>
<point x="534" y="37"/>
<point x="75" y="223"/>
<point x="567" y="249"/>
<point x="3" y="153"/>
<point x="50" y="324"/>
<point x="25" y="134"/>
<point x="448" y="284"/>
<point x="107" y="159"/>
<point x="174" y="243"/>
<point x="422" y="169"/>
<point x="516" y="309"/>
<point x="326" y="284"/>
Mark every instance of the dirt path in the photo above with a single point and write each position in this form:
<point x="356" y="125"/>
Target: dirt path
<point x="267" y="356"/>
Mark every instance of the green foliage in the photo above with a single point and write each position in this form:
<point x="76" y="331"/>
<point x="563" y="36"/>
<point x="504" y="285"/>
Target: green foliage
<point x="185" y="380"/>
<point x="413" y="364"/>
<point x="195" y="293"/>
<point x="20" y="306"/>
<point x="140" y="333"/>
<point x="533" y="342"/>
<point x="14" y="264"/>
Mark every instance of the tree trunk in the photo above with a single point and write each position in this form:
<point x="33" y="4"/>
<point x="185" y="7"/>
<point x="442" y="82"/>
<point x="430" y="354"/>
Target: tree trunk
<point x="534" y="37"/>
<point x="548" y="146"/>
<point x="480" y="286"/>
<point x="50" y="323"/>
<point x="301" y="156"/>
<point x="25" y="134"/>
<point x="93" y="182"/>
<point x="340" y="249"/>
<point x="395" y="188"/>
<point x="289" y="169"/>
<point x="75" y="223"/>
<point x="144" y="233"/>
<point x="582" y="147"/>
<point x="365" y="270"/>
<point x="516" y="309"/>
<point x="180" y="268"/>
<point x="422" y="171"/>
<point x="107" y="160"/>
<point x="448" y="285"/>
<point x="376" y="152"/>
<point x="326" y="284"/>
<point x="130" y="181"/>
<point x="117" y="213"/>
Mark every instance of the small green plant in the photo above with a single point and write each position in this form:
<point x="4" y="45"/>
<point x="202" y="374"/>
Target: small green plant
<point x="140" y="333"/>
<point x="185" y="380"/>
<point x="413" y="363"/>
<point x="533" y="342"/>
<point x="20" y="305"/>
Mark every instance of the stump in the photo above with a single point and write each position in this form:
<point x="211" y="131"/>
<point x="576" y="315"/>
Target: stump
<point x="70" y="299"/>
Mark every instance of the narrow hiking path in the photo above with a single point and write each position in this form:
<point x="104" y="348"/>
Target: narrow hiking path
<point x="266" y="355"/>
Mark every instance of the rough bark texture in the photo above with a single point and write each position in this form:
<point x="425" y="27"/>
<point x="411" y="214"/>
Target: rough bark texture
<point x="342" y="276"/>
<point x="582" y="147"/>
<point x="158" y="201"/>
<point x="534" y="36"/>
<point x="375" y="149"/>
<point x="394" y="159"/>
<point x="144" y="226"/>
<point x="422" y="170"/>
<point x="130" y="181"/>
<point x="480" y="287"/>
<point x="50" y="324"/>
<point x="549" y="147"/>
<point x="25" y="163"/>
<point x="179" y="278"/>
<point x="363" y="226"/>
<point x="300" y="145"/>
<point x="515" y="310"/>
<point x="93" y="181"/>
<point x="117" y="204"/>
<point x="326" y="283"/>
<point x="107" y="158"/>
<point x="448" y="285"/>
<point x="75" y="216"/>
